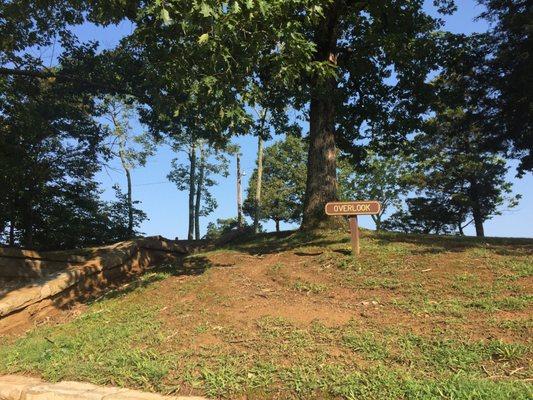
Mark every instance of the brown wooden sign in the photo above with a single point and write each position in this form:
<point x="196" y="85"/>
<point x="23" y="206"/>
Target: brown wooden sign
<point x="353" y="208"/>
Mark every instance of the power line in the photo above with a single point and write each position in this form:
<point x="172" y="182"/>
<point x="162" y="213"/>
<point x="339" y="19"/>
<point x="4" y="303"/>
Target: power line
<point x="153" y="183"/>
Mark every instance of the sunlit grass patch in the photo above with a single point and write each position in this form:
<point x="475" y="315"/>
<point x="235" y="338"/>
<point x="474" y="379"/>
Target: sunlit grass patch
<point x="111" y="344"/>
<point x="366" y="344"/>
<point x="309" y="287"/>
<point x="520" y="325"/>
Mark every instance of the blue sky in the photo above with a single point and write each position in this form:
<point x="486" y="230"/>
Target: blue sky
<point x="167" y="208"/>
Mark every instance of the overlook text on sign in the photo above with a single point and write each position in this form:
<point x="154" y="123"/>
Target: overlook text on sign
<point x="353" y="208"/>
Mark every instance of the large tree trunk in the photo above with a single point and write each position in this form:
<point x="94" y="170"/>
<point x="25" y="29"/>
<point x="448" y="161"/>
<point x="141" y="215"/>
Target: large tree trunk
<point x="240" y="218"/>
<point x="257" y="215"/>
<point x="277" y="225"/>
<point x="321" y="184"/>
<point x="201" y="171"/>
<point x="192" y="188"/>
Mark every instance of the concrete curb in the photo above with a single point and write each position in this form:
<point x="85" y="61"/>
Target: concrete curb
<point x="13" y="387"/>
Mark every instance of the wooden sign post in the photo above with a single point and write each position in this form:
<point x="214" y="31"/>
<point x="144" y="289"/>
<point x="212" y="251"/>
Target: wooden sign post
<point x="353" y="209"/>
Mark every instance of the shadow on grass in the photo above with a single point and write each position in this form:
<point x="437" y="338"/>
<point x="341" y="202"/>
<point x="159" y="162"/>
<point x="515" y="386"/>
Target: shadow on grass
<point x="275" y="242"/>
<point x="434" y="244"/>
<point x="268" y="243"/>
<point x="343" y="252"/>
<point x="308" y="253"/>
<point x="186" y="266"/>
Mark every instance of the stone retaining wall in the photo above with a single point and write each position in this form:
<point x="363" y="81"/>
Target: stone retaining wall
<point x="59" y="278"/>
<point x="25" y="388"/>
<point x="19" y="263"/>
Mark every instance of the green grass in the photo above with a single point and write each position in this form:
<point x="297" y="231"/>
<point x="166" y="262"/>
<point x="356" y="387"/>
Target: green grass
<point x="309" y="287"/>
<point x="123" y="340"/>
<point x="115" y="343"/>
<point x="110" y="344"/>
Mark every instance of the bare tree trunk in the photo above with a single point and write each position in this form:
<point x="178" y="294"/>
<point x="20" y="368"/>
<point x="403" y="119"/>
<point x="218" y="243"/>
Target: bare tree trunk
<point x="377" y="221"/>
<point x="277" y="225"/>
<point x="239" y="193"/>
<point x="259" y="181"/>
<point x="126" y="168"/>
<point x="130" y="205"/>
<point x="201" y="170"/>
<point x="192" y="188"/>
<point x="321" y="184"/>
<point x="122" y="135"/>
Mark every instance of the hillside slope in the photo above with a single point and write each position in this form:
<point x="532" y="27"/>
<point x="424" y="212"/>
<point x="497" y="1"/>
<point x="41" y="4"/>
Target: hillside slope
<point x="292" y="316"/>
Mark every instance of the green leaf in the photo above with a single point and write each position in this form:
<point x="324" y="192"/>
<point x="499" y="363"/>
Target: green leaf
<point x="236" y="7"/>
<point x="318" y="10"/>
<point x="206" y="10"/>
<point x="210" y="81"/>
<point x="263" y="7"/>
<point x="165" y="16"/>
<point x="203" y="38"/>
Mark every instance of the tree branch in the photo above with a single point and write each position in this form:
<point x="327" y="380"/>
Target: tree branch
<point x="106" y="87"/>
<point x="47" y="75"/>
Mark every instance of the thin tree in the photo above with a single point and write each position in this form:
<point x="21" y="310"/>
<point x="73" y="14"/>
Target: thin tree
<point x="259" y="127"/>
<point x="284" y="172"/>
<point x="192" y="188"/>
<point x="199" y="188"/>
<point x="205" y="162"/>
<point x="133" y="150"/>
<point x="240" y="217"/>
<point x="234" y="149"/>
<point x="184" y="175"/>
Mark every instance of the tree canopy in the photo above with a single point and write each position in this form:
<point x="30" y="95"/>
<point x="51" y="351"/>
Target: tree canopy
<point x="50" y="151"/>
<point x="372" y="79"/>
<point x="505" y="71"/>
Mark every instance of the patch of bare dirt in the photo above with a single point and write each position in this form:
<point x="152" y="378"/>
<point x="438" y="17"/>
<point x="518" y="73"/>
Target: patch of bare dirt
<point x="240" y="289"/>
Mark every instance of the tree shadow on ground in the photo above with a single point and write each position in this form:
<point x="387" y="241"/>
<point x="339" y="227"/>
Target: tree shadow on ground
<point x="305" y="243"/>
<point x="276" y="242"/>
<point x="308" y="253"/>
<point x="343" y="252"/>
<point x="435" y="244"/>
<point x="186" y="266"/>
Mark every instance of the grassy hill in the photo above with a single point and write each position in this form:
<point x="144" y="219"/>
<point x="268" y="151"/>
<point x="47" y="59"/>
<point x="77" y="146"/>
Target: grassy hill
<point x="293" y="316"/>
